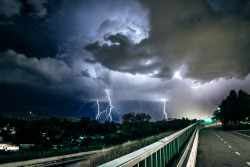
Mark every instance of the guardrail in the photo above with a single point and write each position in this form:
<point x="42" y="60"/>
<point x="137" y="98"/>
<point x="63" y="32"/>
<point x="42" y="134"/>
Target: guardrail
<point x="158" y="154"/>
<point x="193" y="153"/>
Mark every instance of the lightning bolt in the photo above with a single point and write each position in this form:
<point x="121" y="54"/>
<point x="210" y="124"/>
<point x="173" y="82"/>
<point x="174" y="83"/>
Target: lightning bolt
<point x="108" y="109"/>
<point x="98" y="110"/>
<point x="164" y="108"/>
<point x="83" y="105"/>
<point x="110" y="104"/>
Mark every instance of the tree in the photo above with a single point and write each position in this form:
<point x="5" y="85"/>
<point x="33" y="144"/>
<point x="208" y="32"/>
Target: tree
<point x="94" y="128"/>
<point x="133" y="118"/>
<point x="243" y="106"/>
<point x="137" y="124"/>
<point x="235" y="108"/>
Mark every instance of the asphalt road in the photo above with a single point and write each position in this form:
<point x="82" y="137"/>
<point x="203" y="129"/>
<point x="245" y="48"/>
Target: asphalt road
<point x="218" y="148"/>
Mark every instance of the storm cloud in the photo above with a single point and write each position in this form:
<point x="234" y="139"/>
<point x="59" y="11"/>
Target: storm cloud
<point x="49" y="69"/>
<point x="122" y="55"/>
<point x="38" y="6"/>
<point x="210" y="45"/>
<point x="191" y="53"/>
<point x="10" y="8"/>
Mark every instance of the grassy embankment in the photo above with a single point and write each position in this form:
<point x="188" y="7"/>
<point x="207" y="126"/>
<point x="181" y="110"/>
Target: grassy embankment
<point x="121" y="150"/>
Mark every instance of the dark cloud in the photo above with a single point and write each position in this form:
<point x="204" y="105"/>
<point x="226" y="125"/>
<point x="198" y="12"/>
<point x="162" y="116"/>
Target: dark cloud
<point x="224" y="6"/>
<point x="10" y="8"/>
<point x="6" y="23"/>
<point x="85" y="73"/>
<point x="210" y="46"/>
<point x="39" y="7"/>
<point x="90" y="61"/>
<point x="29" y="38"/>
<point x="123" y="55"/>
<point x="50" y="69"/>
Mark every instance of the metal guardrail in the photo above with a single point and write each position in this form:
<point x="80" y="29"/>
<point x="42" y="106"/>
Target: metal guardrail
<point x="193" y="154"/>
<point x="187" y="149"/>
<point x="158" y="154"/>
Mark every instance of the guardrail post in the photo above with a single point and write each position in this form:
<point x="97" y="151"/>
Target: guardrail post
<point x="167" y="153"/>
<point x="149" y="161"/>
<point x="155" y="159"/>
<point x="175" y="146"/>
<point x="163" y="156"/>
<point x="159" y="158"/>
<point x="143" y="163"/>
<point x="172" y="149"/>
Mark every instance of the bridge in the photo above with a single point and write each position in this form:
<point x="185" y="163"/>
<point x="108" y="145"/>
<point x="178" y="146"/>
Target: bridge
<point x="171" y="150"/>
<point x="196" y="145"/>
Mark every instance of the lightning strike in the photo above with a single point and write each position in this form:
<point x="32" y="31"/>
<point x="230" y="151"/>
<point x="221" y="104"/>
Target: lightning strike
<point x="83" y="105"/>
<point x="110" y="106"/>
<point x="98" y="110"/>
<point x="164" y="108"/>
<point x="108" y="109"/>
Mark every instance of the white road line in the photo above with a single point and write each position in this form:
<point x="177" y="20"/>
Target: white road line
<point x="221" y="139"/>
<point x="237" y="153"/>
<point x="248" y="163"/>
<point x="225" y="142"/>
<point x="229" y="146"/>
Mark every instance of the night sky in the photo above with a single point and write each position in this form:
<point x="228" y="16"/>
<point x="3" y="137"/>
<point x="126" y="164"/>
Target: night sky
<point x="56" y="55"/>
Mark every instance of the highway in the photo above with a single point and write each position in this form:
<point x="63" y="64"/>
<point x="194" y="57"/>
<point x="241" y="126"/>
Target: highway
<point x="218" y="148"/>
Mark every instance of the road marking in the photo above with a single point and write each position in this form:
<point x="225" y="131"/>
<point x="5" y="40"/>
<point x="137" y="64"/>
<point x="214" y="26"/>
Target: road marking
<point x="237" y="153"/>
<point x="229" y="146"/>
<point x="225" y="142"/>
<point x="248" y="163"/>
<point x="221" y="139"/>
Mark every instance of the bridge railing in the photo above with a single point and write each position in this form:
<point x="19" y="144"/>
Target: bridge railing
<point x="158" y="154"/>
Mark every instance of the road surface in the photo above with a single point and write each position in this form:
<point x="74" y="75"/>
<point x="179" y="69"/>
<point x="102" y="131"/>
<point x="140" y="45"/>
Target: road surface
<point x="218" y="148"/>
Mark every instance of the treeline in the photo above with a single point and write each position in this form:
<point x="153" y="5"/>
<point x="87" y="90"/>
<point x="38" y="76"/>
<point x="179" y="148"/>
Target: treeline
<point x="48" y="132"/>
<point x="234" y="111"/>
<point x="56" y="137"/>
